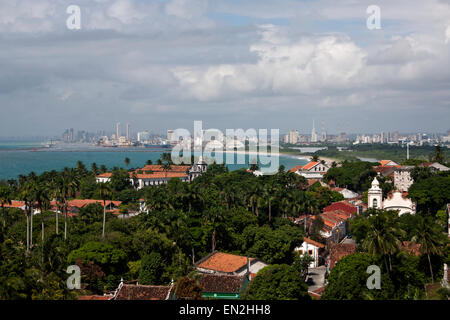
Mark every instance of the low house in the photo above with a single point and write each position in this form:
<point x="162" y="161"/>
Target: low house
<point x="143" y="292"/>
<point x="312" y="248"/>
<point x="219" y="286"/>
<point x="228" y="264"/>
<point x="434" y="166"/>
<point x="312" y="170"/>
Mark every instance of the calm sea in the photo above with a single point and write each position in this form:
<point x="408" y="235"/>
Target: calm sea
<point x="23" y="158"/>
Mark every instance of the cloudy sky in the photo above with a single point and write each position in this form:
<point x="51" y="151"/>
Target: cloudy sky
<point x="230" y="63"/>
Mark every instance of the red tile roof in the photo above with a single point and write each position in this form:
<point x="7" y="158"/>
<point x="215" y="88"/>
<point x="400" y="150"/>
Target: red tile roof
<point x="314" y="243"/>
<point x="340" y="250"/>
<point x="221" y="283"/>
<point x="223" y="262"/>
<point x="161" y="175"/>
<point x="310" y="165"/>
<point x="105" y="175"/>
<point x="143" y="292"/>
<point x="342" y="205"/>
<point x="295" y="169"/>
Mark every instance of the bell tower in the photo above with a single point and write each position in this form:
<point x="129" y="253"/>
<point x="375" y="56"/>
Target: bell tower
<point x="375" y="195"/>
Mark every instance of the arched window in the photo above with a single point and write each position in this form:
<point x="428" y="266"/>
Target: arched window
<point x="375" y="203"/>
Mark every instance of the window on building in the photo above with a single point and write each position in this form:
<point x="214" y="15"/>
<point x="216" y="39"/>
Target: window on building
<point x="300" y="252"/>
<point x="375" y="203"/>
<point x="310" y="252"/>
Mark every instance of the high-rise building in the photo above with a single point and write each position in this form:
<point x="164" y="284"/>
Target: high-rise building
<point x="118" y="130"/>
<point x="314" y="137"/>
<point x="170" y="134"/>
<point x="293" y="136"/>
<point x="128" y="132"/>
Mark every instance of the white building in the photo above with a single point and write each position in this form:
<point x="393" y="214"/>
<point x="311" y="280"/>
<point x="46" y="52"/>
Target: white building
<point x="312" y="170"/>
<point x="396" y="201"/>
<point x="402" y="178"/>
<point x="311" y="248"/>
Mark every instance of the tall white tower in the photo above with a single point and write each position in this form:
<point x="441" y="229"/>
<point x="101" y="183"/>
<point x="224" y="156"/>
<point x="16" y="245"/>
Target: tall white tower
<point x="375" y="195"/>
<point x="128" y="132"/>
<point x="118" y="131"/>
<point x="313" y="134"/>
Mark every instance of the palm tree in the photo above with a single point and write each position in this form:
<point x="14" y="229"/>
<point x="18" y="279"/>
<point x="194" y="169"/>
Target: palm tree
<point x="270" y="193"/>
<point x="166" y="167"/>
<point x="104" y="191"/>
<point x="69" y="186"/>
<point x="5" y="198"/>
<point x="42" y="200"/>
<point x="428" y="234"/>
<point x="94" y="168"/>
<point x="383" y="235"/>
<point x="127" y="161"/>
<point x="26" y="195"/>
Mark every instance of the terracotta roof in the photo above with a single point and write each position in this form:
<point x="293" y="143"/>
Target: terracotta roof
<point x="310" y="165"/>
<point x="80" y="203"/>
<point x="296" y="168"/>
<point x="143" y="292"/>
<point x="105" y="175"/>
<point x="161" y="175"/>
<point x="15" y="204"/>
<point x="385" y="162"/>
<point x="158" y="168"/>
<point x="221" y="283"/>
<point x="340" y="250"/>
<point x="223" y="262"/>
<point x="94" y="297"/>
<point x="342" y="205"/>
<point x="314" y="243"/>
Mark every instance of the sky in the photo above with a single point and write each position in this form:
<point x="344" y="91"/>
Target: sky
<point x="230" y="63"/>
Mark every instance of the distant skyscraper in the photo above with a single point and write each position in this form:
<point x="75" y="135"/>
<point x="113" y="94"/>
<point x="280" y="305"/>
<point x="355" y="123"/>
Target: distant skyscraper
<point x="314" y="137"/>
<point x="170" y="134"/>
<point x="128" y="132"/>
<point x="293" y="136"/>
<point x="118" y="130"/>
<point x="323" y="137"/>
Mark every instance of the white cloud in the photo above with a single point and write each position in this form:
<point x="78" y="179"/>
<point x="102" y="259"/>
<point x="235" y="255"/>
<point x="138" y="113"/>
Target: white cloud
<point x="284" y="66"/>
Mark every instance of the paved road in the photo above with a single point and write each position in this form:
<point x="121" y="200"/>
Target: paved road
<point x="316" y="277"/>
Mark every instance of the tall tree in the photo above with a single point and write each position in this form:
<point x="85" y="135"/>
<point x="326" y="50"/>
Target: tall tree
<point x="428" y="234"/>
<point x="5" y="198"/>
<point x="104" y="191"/>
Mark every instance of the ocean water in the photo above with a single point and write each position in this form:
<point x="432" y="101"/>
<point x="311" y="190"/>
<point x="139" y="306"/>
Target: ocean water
<point x="23" y="158"/>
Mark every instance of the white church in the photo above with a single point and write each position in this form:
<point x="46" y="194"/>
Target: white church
<point x="396" y="200"/>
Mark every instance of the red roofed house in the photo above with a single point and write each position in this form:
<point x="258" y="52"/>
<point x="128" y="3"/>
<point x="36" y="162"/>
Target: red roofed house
<point x="312" y="170"/>
<point x="151" y="175"/>
<point x="229" y="264"/>
<point x="311" y="248"/>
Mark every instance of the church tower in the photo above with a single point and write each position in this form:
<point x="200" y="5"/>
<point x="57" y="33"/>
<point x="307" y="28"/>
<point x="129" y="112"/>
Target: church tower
<point x="375" y="195"/>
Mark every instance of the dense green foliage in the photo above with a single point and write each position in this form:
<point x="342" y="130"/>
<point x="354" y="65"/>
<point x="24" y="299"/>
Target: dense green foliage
<point x="277" y="282"/>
